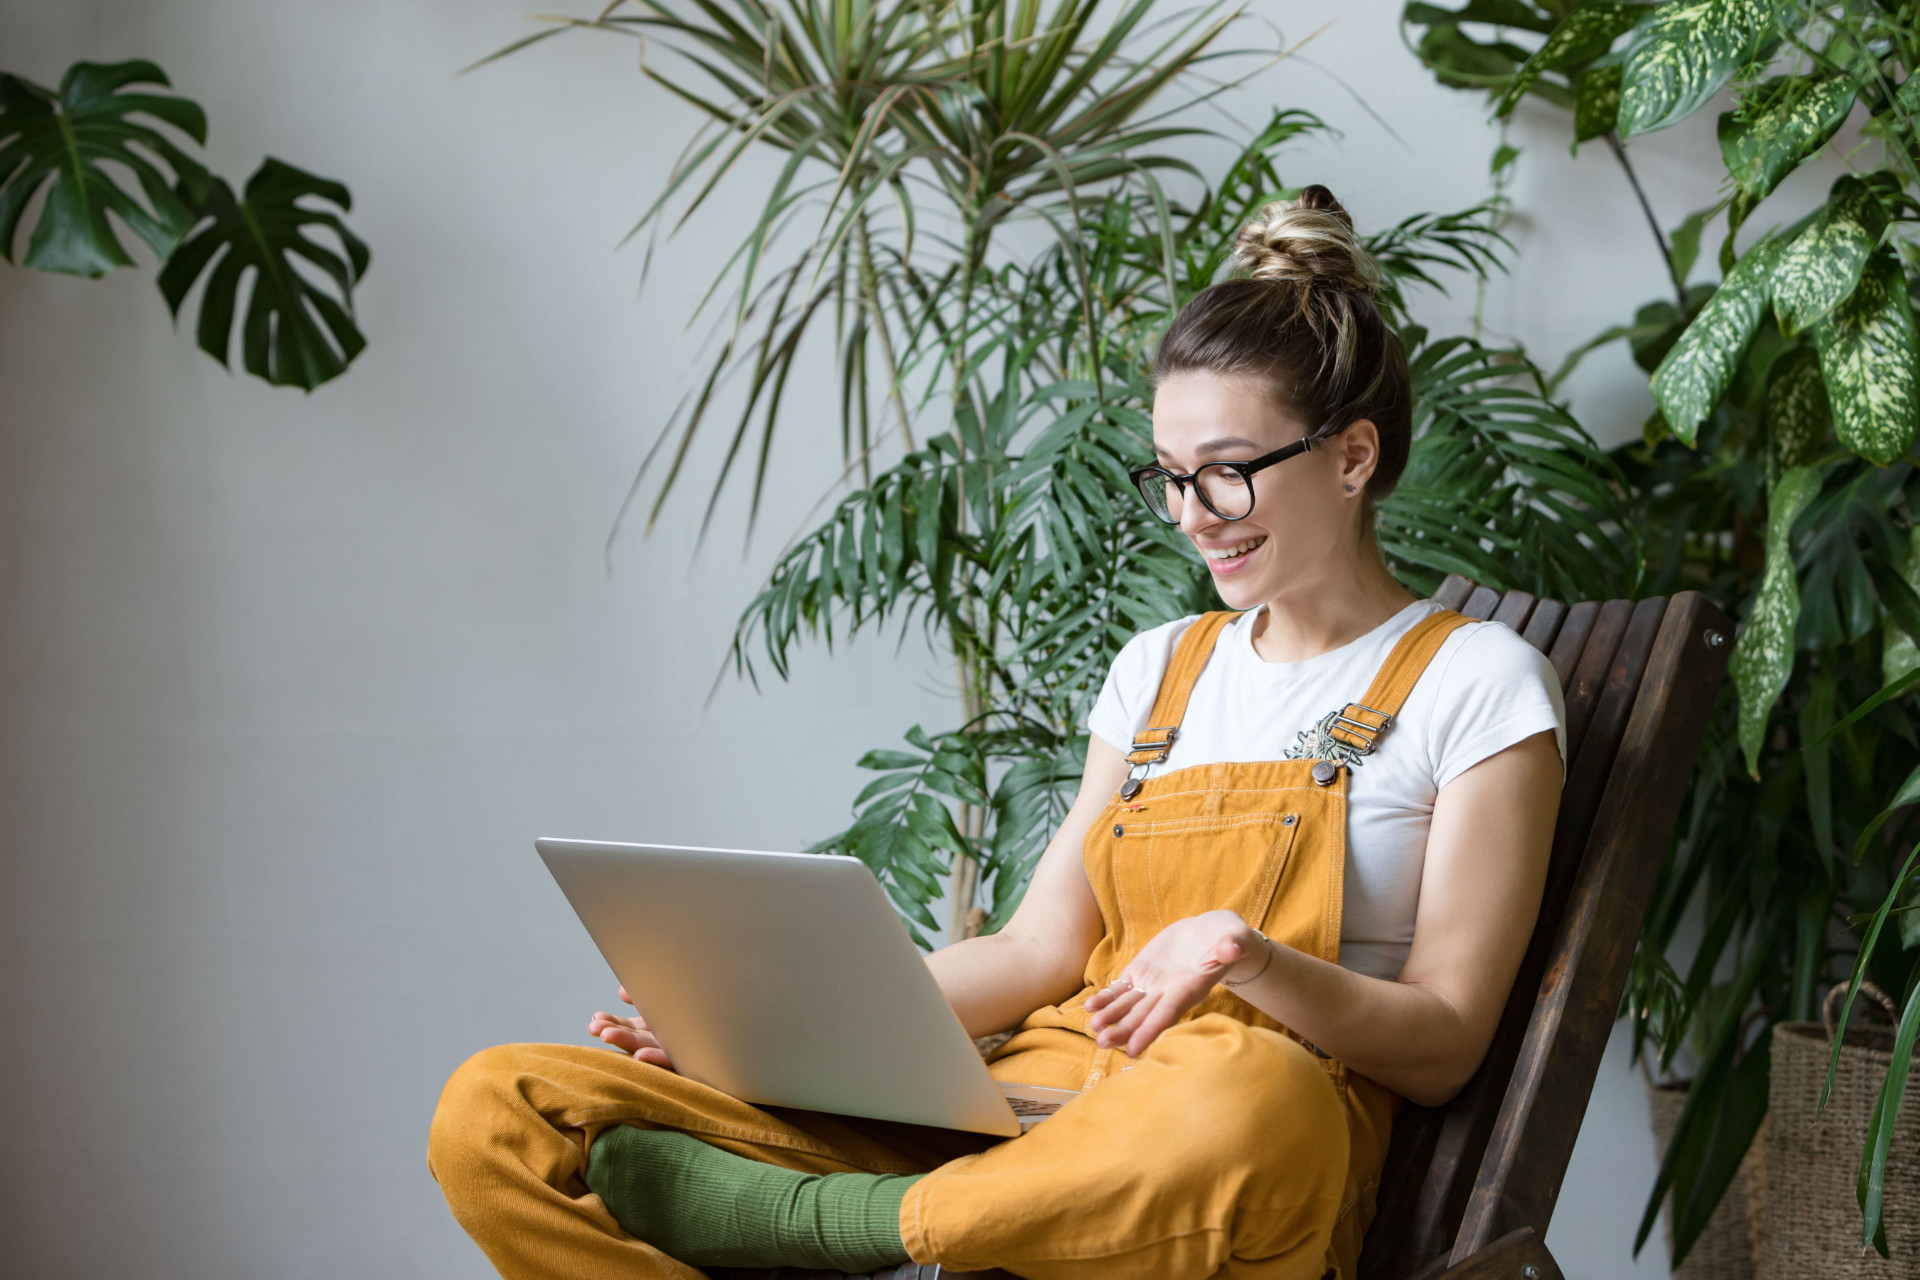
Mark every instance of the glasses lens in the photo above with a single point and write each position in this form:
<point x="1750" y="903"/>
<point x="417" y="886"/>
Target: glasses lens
<point x="1161" y="493"/>
<point x="1226" y="491"/>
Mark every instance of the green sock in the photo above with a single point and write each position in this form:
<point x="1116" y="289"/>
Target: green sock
<point x="711" y="1208"/>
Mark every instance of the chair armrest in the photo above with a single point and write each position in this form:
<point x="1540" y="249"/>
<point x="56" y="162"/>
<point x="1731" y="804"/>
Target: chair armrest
<point x="1518" y="1255"/>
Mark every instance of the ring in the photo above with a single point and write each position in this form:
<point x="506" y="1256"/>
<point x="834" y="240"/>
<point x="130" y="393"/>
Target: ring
<point x="1120" y="982"/>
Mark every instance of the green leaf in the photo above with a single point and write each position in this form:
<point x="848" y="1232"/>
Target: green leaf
<point x="1682" y="52"/>
<point x="1897" y="598"/>
<point x="1899" y="654"/>
<point x="1763" y="657"/>
<point x="1867" y="351"/>
<point x="1685" y="241"/>
<point x="295" y="333"/>
<point x="1821" y="267"/>
<point x="1791" y="119"/>
<point x="63" y="142"/>
<point x="1596" y="101"/>
<point x="1871" y="1187"/>
<point x="1909" y="793"/>
<point x="1797" y="414"/>
<point x="1580" y="37"/>
<point x="1892" y="690"/>
<point x="1697" y="371"/>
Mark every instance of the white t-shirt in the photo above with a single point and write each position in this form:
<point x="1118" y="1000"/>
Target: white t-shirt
<point x="1485" y="690"/>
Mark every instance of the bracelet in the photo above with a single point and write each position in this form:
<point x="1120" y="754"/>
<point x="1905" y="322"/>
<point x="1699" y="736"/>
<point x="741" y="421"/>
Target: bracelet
<point x="1263" y="968"/>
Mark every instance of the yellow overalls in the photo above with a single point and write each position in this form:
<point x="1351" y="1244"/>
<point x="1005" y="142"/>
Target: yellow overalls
<point x="1229" y="1149"/>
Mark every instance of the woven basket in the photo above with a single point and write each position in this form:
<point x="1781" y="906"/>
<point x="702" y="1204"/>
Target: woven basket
<point x="1723" y="1251"/>
<point x="1812" y="1222"/>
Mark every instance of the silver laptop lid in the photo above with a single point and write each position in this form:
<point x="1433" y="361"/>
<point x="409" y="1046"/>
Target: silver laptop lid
<point x="781" y="979"/>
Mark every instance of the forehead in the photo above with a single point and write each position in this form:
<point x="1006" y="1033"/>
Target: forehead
<point x="1196" y="410"/>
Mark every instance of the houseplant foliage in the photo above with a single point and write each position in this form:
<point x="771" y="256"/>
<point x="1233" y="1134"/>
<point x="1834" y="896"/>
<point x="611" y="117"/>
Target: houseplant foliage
<point x="1777" y="475"/>
<point x="80" y="143"/>
<point x="993" y="395"/>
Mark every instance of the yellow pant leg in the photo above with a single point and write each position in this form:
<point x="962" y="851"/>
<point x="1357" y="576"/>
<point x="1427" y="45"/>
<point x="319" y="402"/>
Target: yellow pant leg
<point x="1224" y="1151"/>
<point x="509" y="1148"/>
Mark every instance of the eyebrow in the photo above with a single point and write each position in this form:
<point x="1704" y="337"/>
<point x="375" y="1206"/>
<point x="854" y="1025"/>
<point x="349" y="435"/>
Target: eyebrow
<point x="1215" y="446"/>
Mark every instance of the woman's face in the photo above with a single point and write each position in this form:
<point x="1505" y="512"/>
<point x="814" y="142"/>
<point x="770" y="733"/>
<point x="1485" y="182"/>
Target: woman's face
<point x="1306" y="509"/>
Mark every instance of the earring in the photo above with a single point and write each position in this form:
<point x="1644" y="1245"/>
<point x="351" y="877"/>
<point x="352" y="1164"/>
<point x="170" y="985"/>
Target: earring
<point x="1349" y="488"/>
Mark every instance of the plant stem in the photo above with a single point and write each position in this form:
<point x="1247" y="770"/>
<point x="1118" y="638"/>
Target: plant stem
<point x="1653" y="223"/>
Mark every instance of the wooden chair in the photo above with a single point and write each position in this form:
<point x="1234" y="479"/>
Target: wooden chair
<point x="1469" y="1187"/>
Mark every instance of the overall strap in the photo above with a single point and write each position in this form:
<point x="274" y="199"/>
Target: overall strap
<point x="1360" y="724"/>
<point x="1151" y="745"/>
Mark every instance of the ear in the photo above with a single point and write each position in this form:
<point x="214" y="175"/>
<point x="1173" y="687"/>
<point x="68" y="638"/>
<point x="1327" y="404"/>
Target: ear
<point x="1356" y="454"/>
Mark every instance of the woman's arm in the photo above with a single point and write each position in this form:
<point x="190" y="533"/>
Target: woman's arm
<point x="1424" y="1035"/>
<point x="1040" y="957"/>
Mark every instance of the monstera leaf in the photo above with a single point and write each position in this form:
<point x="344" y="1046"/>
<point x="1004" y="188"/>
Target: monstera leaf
<point x="60" y="141"/>
<point x="295" y="333"/>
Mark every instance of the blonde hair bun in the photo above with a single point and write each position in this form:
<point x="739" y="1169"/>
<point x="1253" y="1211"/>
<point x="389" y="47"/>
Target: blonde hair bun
<point x="1308" y="241"/>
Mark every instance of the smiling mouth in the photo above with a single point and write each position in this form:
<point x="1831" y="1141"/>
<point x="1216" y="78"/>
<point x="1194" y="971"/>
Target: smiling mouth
<point x="1236" y="551"/>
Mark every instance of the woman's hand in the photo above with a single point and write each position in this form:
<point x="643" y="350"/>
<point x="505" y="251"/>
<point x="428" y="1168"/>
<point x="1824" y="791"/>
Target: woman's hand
<point x="1173" y="973"/>
<point x="629" y="1035"/>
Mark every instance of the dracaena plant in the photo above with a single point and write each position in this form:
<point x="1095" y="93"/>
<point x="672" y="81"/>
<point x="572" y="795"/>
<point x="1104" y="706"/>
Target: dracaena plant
<point x="1776" y="474"/>
<point x="81" y="142"/>
<point x="993" y="388"/>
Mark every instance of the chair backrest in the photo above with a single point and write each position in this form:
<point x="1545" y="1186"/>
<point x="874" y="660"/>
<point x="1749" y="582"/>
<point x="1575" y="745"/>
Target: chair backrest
<point x="1640" y="678"/>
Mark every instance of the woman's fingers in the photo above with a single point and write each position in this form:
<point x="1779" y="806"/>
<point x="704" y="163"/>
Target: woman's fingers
<point x="1116" y="1007"/>
<point x="1164" y="1015"/>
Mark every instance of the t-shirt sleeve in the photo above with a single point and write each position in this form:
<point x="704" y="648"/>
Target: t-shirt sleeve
<point x="1132" y="681"/>
<point x="1496" y="690"/>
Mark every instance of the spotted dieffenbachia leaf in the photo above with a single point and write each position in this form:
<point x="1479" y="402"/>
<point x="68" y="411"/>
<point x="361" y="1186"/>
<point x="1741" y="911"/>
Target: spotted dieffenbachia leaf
<point x="1580" y="37"/>
<point x="1820" y="269"/>
<point x="1683" y="51"/>
<point x="1797" y="414"/>
<point x="1763" y="657"/>
<point x="1779" y="125"/>
<point x="1596" y="103"/>
<point x="1690" y="381"/>
<point x="63" y="141"/>
<point x="1867" y="351"/>
<point x="1898" y="654"/>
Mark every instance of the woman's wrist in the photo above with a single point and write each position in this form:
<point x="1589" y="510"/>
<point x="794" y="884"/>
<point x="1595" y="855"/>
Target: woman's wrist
<point x="1256" y="957"/>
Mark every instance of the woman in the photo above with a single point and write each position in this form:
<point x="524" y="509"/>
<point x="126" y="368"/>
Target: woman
<point x="1304" y="861"/>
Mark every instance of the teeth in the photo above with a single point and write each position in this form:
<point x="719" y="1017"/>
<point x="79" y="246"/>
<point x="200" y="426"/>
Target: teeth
<point x="1237" y="549"/>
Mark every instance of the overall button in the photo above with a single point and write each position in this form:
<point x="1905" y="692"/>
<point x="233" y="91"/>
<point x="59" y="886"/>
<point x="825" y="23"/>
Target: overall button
<point x="1323" y="772"/>
<point x="1287" y="821"/>
<point x="1118" y="831"/>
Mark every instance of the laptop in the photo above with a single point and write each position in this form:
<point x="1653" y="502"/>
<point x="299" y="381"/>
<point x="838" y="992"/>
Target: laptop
<point x="785" y="979"/>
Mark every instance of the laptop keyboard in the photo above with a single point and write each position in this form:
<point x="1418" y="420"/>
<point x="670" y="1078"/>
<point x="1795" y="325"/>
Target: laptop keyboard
<point x="1029" y="1107"/>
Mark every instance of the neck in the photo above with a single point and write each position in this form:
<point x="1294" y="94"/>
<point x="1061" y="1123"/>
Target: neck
<point x="1336" y="604"/>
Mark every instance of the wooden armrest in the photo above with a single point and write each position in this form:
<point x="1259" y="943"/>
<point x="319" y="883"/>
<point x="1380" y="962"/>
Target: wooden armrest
<point x="1518" y="1255"/>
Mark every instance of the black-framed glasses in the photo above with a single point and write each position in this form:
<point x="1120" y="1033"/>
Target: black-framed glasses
<point x="1225" y="488"/>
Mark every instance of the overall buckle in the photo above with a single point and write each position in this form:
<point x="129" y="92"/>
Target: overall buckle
<point x="1150" y="747"/>
<point x="1360" y="734"/>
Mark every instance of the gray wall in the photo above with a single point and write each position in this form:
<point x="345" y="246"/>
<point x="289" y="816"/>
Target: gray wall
<point x="292" y="682"/>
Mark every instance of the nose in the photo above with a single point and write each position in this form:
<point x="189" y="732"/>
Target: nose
<point x="1195" y="518"/>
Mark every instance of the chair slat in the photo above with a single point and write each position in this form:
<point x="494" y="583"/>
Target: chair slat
<point x="1481" y="603"/>
<point x="1661" y="720"/>
<point x="1544" y="626"/>
<point x="1572" y="639"/>
<point x="1590" y="673"/>
<point x="1515" y="607"/>
<point x="1454" y="591"/>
